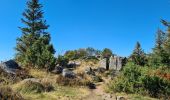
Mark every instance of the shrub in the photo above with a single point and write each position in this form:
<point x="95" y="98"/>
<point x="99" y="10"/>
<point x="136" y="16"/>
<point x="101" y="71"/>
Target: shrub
<point x="31" y="87"/>
<point x="47" y="85"/>
<point x="71" y="81"/>
<point x="157" y="86"/>
<point x="62" y="61"/>
<point x="140" y="80"/>
<point x="6" y="93"/>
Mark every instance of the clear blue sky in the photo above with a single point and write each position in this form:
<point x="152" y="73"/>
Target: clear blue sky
<point x="115" y="24"/>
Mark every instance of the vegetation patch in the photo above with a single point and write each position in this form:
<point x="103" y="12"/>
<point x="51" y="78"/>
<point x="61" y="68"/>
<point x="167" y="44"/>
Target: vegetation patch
<point x="71" y="82"/>
<point x="6" y="93"/>
<point x="136" y="79"/>
<point x="33" y="86"/>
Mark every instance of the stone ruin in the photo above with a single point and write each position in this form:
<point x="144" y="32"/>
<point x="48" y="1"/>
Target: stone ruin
<point x="112" y="63"/>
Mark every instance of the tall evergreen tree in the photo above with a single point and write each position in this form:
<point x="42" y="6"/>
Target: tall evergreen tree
<point x="166" y="44"/>
<point x="158" y="57"/>
<point x="33" y="47"/>
<point x="138" y="56"/>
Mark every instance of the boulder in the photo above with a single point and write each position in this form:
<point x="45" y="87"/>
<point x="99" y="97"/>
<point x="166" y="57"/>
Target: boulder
<point x="10" y="66"/>
<point x="73" y="64"/>
<point x="103" y="63"/>
<point x="115" y="63"/>
<point x="100" y="70"/>
<point x="91" y="86"/>
<point x="68" y="74"/>
<point x="58" y="70"/>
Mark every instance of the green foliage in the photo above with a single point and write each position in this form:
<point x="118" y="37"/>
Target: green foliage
<point x="138" y="56"/>
<point x="161" y="51"/>
<point x="70" y="54"/>
<point x="157" y="86"/>
<point x="130" y="79"/>
<point x="137" y="79"/>
<point x="106" y="53"/>
<point x="33" y="47"/>
<point x="82" y="53"/>
<point x="62" y="60"/>
<point x="159" y="56"/>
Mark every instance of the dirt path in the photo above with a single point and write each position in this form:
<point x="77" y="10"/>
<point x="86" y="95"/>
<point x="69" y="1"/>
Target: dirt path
<point x="99" y="94"/>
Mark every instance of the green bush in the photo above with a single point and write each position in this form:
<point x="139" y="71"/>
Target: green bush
<point x="156" y="86"/>
<point x="137" y="79"/>
<point x="129" y="80"/>
<point x="62" y="61"/>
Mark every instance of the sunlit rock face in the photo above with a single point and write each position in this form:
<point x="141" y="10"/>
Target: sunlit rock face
<point x="103" y="63"/>
<point x="114" y="62"/>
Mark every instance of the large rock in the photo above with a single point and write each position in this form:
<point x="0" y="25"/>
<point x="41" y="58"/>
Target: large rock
<point x="10" y="66"/>
<point x="115" y="63"/>
<point x="68" y="74"/>
<point x="73" y="64"/>
<point x="58" y="70"/>
<point x="103" y="63"/>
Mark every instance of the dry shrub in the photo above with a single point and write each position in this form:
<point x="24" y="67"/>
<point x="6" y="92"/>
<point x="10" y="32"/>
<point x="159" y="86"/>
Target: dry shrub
<point x="7" y="78"/>
<point x="34" y="86"/>
<point x="6" y="93"/>
<point x="28" y="86"/>
<point x="71" y="81"/>
<point x="47" y="85"/>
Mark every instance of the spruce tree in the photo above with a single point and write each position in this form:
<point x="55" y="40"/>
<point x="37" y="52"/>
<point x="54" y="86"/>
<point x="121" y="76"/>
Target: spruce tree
<point x="166" y="44"/>
<point x="33" y="47"/>
<point x="138" y="56"/>
<point x="158" y="57"/>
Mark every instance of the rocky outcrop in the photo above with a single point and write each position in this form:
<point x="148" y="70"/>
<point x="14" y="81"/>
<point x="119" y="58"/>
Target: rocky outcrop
<point x="103" y="63"/>
<point x="58" y="70"/>
<point x="114" y="62"/>
<point x="68" y="74"/>
<point x="10" y="66"/>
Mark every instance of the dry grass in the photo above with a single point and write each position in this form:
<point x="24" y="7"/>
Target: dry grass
<point x="6" y="93"/>
<point x="59" y="93"/>
<point x="86" y="64"/>
<point x="39" y="73"/>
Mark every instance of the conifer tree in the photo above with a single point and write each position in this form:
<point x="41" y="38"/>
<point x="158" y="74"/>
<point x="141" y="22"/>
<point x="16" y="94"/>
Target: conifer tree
<point x="33" y="47"/>
<point x="158" y="57"/>
<point x="138" y="56"/>
<point x="166" y="44"/>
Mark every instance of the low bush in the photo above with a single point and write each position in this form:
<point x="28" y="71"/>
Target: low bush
<point x="71" y="81"/>
<point x="140" y="80"/>
<point x="157" y="86"/>
<point x="31" y="87"/>
<point x="48" y="86"/>
<point x="6" y="93"/>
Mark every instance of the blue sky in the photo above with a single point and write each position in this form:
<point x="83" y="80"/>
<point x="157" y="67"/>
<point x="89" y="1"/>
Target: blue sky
<point x="115" y="24"/>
